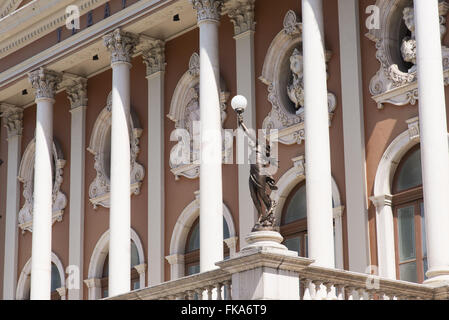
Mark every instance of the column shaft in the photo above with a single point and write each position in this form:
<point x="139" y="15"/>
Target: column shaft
<point x="246" y="87"/>
<point x="12" y="204"/>
<point x="211" y="198"/>
<point x="354" y="135"/>
<point x="318" y="169"/>
<point x="156" y="239"/>
<point x="77" y="95"/>
<point x="42" y="208"/>
<point x="434" y="141"/>
<point x="120" y="211"/>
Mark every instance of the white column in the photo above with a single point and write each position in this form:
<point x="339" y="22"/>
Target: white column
<point x="434" y="144"/>
<point x="353" y="135"/>
<point x="318" y="169"/>
<point x="386" y="258"/>
<point x="244" y="27"/>
<point x="45" y="83"/>
<point x="121" y="45"/>
<point x="154" y="58"/>
<point x="12" y="119"/>
<point x="77" y="94"/>
<point x="211" y="200"/>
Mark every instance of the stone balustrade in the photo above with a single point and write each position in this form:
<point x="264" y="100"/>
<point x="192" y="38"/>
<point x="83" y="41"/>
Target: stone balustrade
<point x="233" y="280"/>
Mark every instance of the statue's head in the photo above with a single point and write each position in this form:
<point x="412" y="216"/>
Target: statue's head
<point x="296" y="62"/>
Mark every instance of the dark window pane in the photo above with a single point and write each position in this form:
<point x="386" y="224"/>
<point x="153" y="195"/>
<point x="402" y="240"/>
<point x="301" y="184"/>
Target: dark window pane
<point x="410" y="173"/>
<point x="55" y="278"/>
<point x="134" y="255"/>
<point x="423" y="231"/>
<point x="297" y="208"/>
<point x="193" y="269"/>
<point x="406" y="231"/>
<point x="407" y="272"/>
<point x="293" y="244"/>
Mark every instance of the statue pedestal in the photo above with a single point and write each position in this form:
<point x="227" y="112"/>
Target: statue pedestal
<point x="263" y="269"/>
<point x="268" y="241"/>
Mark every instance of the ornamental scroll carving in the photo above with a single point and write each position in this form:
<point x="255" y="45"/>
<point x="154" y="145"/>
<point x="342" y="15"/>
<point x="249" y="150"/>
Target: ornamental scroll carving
<point x="283" y="74"/>
<point x="185" y="112"/>
<point x="26" y="177"/>
<point x="99" y="190"/>
<point x="395" y="81"/>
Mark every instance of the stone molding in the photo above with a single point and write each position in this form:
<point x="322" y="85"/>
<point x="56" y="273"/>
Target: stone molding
<point x="153" y="56"/>
<point x="8" y="7"/>
<point x="45" y="82"/>
<point x="99" y="190"/>
<point x="26" y="176"/>
<point x="284" y="94"/>
<point x="241" y="15"/>
<point x="207" y="10"/>
<point x="36" y="20"/>
<point x="121" y="45"/>
<point x="77" y="93"/>
<point x="12" y="119"/>
<point x="184" y="110"/>
<point x="390" y="84"/>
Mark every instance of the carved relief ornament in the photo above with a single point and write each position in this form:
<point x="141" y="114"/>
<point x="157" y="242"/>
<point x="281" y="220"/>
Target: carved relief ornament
<point x="395" y="81"/>
<point x="283" y="74"/>
<point x="26" y="176"/>
<point x="185" y="112"/>
<point x="99" y="190"/>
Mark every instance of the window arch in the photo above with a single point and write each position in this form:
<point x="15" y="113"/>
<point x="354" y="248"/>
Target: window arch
<point x="135" y="278"/>
<point x="182" y="235"/>
<point x="98" y="266"/>
<point x="192" y="250"/>
<point x="289" y="184"/>
<point x="58" y="290"/>
<point x="408" y="217"/>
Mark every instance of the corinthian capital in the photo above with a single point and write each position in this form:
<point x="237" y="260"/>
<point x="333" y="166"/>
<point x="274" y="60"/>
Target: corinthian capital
<point x="242" y="16"/>
<point x="154" y="57"/>
<point x="121" y="45"/>
<point x="45" y="82"/>
<point x="77" y="93"/>
<point x="207" y="9"/>
<point x="12" y="119"/>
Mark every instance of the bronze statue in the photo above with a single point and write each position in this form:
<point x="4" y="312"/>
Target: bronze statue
<point x="260" y="180"/>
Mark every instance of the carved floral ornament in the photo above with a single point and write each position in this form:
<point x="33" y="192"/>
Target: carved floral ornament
<point x="395" y="81"/>
<point x="283" y="74"/>
<point x="26" y="176"/>
<point x="99" y="190"/>
<point x="185" y="112"/>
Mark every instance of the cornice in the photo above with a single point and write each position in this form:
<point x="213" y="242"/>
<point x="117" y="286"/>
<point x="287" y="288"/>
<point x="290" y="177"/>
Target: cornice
<point x="35" y="20"/>
<point x="8" y="7"/>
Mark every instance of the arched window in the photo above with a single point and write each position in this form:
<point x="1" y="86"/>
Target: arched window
<point x="135" y="282"/>
<point x="409" y="223"/>
<point x="192" y="250"/>
<point x="294" y="220"/>
<point x="55" y="284"/>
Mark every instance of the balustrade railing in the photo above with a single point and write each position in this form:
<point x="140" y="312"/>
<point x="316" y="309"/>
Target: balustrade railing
<point x="313" y="283"/>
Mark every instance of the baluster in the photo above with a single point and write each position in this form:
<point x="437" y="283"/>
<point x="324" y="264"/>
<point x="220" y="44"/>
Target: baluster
<point x="190" y="295"/>
<point x="228" y="290"/>
<point x="351" y="293"/>
<point x="320" y="290"/>
<point x="218" y="287"/>
<point x="340" y="291"/>
<point x="330" y="291"/>
<point x="199" y="294"/>
<point x="209" y="292"/>
<point x="309" y="290"/>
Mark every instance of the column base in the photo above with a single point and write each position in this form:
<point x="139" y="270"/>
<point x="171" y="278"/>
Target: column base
<point x="437" y="277"/>
<point x="267" y="241"/>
